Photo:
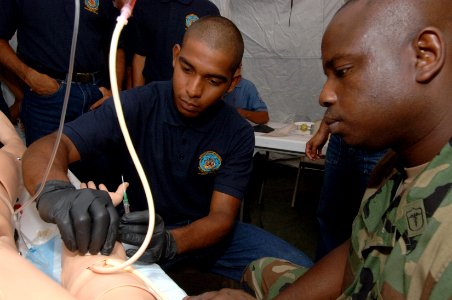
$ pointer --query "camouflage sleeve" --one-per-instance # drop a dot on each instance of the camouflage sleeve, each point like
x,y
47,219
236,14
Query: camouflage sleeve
x,y
268,276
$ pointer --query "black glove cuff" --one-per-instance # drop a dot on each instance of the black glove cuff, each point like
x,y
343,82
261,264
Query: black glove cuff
x,y
171,247
53,185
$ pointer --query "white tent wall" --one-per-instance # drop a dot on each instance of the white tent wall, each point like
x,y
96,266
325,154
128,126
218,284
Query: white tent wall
x,y
282,51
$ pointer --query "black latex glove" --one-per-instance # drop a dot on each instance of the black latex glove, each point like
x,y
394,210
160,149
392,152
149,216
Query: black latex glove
x,y
86,218
132,230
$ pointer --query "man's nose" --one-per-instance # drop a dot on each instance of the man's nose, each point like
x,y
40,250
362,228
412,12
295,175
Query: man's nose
x,y
328,95
194,87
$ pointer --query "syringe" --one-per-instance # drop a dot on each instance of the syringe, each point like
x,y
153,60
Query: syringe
x,y
125,201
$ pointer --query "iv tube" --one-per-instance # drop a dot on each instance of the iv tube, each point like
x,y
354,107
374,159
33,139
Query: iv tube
x,y
64,108
121,22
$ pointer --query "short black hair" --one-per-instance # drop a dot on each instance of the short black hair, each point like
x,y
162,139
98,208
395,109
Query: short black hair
x,y
219,33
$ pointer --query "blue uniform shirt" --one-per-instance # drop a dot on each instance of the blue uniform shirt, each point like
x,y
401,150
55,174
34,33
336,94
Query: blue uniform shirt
x,y
44,32
184,161
245,96
158,26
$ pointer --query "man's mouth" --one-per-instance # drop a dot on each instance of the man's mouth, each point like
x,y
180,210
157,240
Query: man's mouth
x,y
330,120
189,106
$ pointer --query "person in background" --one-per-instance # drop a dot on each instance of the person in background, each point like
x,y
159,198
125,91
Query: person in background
x,y
156,27
44,31
388,86
347,171
248,102
196,151
12,83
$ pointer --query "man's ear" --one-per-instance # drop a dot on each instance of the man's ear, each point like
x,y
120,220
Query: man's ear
x,y
235,79
176,51
430,54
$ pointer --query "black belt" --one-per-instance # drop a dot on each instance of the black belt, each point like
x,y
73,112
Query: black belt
x,y
86,77
76,77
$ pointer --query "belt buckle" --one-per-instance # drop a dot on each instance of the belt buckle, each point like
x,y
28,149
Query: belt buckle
x,y
84,77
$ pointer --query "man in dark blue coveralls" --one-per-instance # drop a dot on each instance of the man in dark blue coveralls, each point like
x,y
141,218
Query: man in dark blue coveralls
x,y
195,149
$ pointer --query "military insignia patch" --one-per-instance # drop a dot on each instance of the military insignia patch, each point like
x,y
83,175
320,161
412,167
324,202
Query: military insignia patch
x,y
190,19
92,6
209,162
415,217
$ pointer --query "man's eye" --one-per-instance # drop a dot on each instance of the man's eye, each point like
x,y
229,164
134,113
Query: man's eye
x,y
214,82
186,69
342,72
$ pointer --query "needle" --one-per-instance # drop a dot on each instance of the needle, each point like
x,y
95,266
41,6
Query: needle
x,y
125,201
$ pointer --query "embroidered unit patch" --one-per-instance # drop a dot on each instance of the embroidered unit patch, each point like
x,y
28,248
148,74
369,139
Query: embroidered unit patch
x,y
209,162
92,6
190,19
415,217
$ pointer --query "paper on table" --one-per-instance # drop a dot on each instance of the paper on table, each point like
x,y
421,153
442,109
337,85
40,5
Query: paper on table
x,y
283,131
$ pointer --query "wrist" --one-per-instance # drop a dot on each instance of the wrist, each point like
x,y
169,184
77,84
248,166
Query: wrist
x,y
27,75
51,186
171,246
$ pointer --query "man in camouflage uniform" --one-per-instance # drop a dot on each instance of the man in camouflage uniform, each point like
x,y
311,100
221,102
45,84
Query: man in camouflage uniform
x,y
388,65
403,224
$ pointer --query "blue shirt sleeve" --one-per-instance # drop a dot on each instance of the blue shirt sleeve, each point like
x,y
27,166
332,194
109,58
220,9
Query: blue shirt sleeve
x,y
246,96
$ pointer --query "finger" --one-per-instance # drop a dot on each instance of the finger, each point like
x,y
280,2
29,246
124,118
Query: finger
x,y
319,153
131,252
136,217
316,152
97,104
123,187
82,225
310,154
117,196
146,257
105,92
83,185
67,232
131,238
100,228
92,185
112,231
135,229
